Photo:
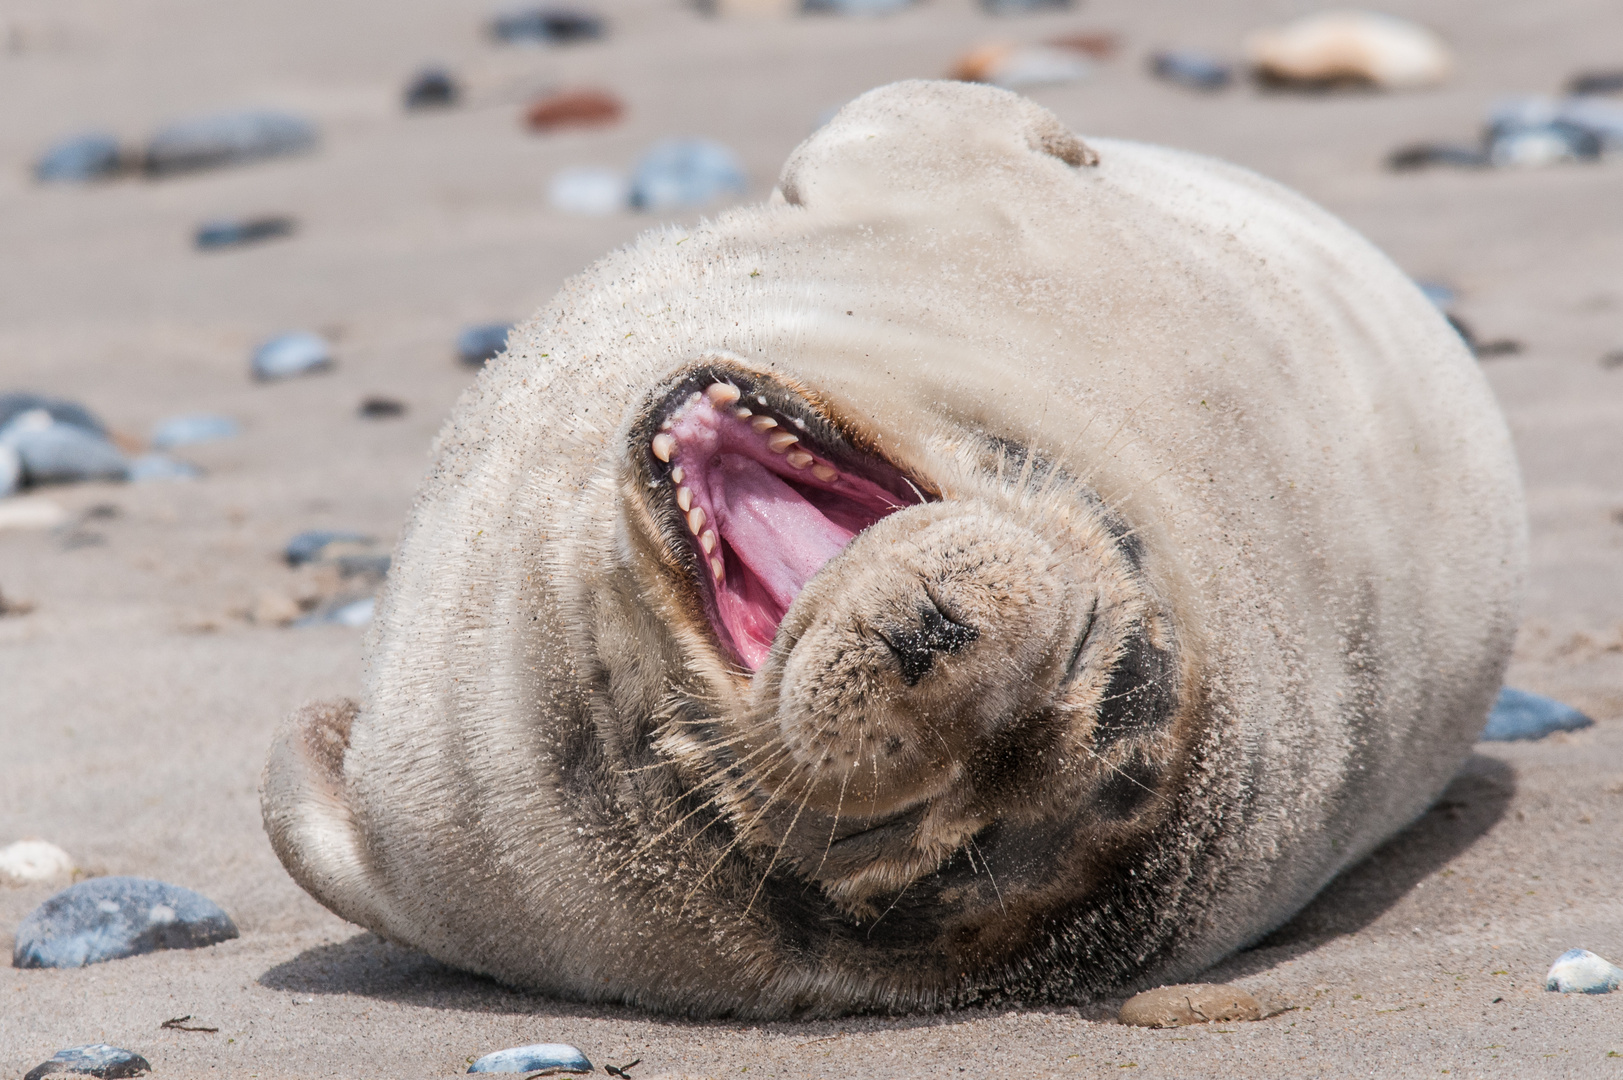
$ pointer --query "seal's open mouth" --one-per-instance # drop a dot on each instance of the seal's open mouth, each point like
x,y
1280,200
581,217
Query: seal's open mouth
x,y
767,488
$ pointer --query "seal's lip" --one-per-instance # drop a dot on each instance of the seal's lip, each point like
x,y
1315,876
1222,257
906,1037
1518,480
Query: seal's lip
x,y
763,484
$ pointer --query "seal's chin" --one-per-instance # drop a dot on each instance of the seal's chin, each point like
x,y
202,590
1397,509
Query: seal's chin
x,y
767,492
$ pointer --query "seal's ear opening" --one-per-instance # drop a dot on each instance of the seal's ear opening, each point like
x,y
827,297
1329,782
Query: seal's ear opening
x,y
886,147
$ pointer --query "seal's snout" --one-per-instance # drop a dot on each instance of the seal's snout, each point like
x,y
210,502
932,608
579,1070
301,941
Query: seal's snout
x,y
916,643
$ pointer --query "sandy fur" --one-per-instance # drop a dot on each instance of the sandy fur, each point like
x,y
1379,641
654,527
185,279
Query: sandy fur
x,y
1323,489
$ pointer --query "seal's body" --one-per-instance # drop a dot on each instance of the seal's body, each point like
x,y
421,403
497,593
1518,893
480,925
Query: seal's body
x,y
998,568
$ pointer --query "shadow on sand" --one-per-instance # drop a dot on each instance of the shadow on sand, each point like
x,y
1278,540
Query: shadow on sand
x,y
1477,798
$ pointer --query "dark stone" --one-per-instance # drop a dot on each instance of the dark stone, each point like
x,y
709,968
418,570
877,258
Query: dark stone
x,y
220,234
92,1059
1596,82
1518,714
549,26
1422,155
227,139
432,88
113,917
381,408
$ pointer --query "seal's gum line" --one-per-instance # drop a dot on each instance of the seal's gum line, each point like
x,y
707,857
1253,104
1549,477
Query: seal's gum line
x,y
764,509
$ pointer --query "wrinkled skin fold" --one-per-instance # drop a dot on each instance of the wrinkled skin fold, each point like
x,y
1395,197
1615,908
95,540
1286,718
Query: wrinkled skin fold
x,y
1002,567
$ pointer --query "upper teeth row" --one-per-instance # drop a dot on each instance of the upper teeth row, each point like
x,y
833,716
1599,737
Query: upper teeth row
x,y
722,394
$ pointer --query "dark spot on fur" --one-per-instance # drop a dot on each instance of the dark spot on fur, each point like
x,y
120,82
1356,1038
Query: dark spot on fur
x,y
1140,694
1126,789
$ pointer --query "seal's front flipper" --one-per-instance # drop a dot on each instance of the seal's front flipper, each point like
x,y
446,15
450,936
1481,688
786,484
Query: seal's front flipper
x,y
308,818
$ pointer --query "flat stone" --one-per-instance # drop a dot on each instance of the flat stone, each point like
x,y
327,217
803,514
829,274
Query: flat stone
x,y
539,1057
1519,714
52,451
1579,971
1189,1003
91,1059
80,159
679,173
287,355
193,428
227,139
477,345
110,918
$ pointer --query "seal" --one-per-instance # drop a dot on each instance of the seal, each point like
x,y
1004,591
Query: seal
x,y
1000,568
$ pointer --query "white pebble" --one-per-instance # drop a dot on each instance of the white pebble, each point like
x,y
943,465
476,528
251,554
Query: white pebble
x,y
29,861
1579,971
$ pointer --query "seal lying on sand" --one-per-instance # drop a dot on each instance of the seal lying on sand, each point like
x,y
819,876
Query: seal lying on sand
x,y
1000,568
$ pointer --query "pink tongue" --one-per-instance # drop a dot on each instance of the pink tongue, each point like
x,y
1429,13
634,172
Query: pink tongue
x,y
780,536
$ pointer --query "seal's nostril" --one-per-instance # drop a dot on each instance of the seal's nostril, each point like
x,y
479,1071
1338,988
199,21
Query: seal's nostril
x,y
915,645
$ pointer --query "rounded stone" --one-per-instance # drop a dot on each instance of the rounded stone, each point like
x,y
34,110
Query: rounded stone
x,y
1189,1003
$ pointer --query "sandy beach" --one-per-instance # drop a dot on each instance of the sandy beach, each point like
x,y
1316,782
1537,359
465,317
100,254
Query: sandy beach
x,y
138,696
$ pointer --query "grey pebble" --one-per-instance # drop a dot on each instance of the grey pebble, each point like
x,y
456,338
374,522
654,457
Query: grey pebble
x,y
193,428
1023,7
477,345
109,918
235,232
17,402
546,26
1194,70
160,468
560,1057
287,355
227,139
52,451
1519,714
11,471
1579,971
80,159
679,173
92,1059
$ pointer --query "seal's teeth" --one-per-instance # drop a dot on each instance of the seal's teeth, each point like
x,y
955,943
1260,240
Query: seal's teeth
x,y
781,441
663,446
763,423
718,569
707,540
693,399
679,474
684,499
721,393
824,473
742,413
696,520
799,458
666,425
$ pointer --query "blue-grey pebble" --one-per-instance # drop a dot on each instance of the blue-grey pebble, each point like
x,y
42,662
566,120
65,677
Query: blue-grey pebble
x,y
1520,714
547,26
560,1057
1579,971
681,172
193,428
54,452
1194,70
109,918
287,355
234,232
92,1059
228,139
150,468
310,545
1023,7
17,402
477,345
79,160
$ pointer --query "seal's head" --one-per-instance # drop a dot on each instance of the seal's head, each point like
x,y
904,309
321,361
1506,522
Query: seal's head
x,y
912,650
